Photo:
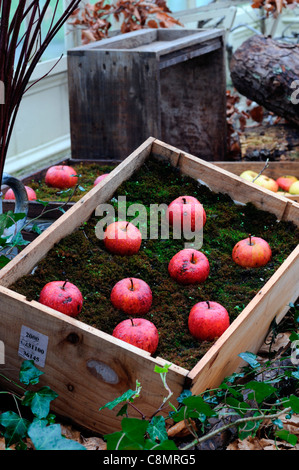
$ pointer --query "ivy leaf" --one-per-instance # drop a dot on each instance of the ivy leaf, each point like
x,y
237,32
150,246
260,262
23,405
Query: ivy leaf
x,y
197,403
50,438
135,429
294,403
250,358
157,429
287,436
124,397
261,390
15,427
3,261
39,401
29,374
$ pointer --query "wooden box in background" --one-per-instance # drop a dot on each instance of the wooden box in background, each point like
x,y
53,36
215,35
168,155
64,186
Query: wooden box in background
x,y
169,84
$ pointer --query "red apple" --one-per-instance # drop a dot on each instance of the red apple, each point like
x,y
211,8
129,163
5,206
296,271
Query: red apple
x,y
61,177
62,296
122,238
207,321
10,195
186,210
100,178
138,332
285,182
252,252
132,296
189,267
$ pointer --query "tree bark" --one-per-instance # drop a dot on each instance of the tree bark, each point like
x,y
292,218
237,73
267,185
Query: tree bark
x,y
267,71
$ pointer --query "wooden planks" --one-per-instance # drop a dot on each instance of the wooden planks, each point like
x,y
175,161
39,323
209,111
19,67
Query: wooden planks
x,y
88,368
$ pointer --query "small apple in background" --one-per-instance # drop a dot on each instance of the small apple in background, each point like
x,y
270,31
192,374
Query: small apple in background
x,y
189,266
285,182
132,296
207,321
138,332
294,189
252,252
186,209
249,175
122,238
62,296
61,177
100,178
267,183
10,195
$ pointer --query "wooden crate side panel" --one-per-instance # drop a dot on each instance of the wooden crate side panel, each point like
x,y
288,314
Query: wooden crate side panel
x,y
25,261
87,368
114,105
249,330
222,181
275,169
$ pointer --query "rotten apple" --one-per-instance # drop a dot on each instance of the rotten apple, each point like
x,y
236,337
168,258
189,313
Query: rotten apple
x,y
285,182
100,178
252,252
122,238
31,194
132,296
207,321
186,211
189,266
138,332
62,296
61,177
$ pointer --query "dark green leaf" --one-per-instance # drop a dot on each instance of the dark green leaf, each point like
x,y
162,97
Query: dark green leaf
x,y
3,261
112,404
294,403
261,390
135,429
15,427
238,405
287,436
157,429
197,403
40,401
29,374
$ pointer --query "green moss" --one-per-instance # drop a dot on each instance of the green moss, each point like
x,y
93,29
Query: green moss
x,y
82,259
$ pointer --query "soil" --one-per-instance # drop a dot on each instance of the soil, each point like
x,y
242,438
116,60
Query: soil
x,y
82,259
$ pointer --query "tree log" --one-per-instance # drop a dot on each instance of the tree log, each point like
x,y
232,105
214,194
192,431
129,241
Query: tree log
x,y
267,71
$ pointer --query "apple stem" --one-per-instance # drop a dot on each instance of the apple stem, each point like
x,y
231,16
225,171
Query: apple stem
x,y
132,285
132,321
63,287
184,200
192,258
250,242
127,225
208,304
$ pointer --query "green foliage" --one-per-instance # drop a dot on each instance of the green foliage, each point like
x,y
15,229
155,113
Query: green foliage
x,y
247,397
41,428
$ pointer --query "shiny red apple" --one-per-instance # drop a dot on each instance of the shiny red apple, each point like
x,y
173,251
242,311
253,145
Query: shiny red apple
x,y
132,296
188,212
31,194
122,238
62,296
61,177
138,332
252,252
208,321
189,266
285,182
100,178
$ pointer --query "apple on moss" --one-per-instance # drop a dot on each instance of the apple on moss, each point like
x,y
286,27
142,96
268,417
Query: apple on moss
x,y
132,296
139,332
61,177
31,194
62,296
252,252
208,320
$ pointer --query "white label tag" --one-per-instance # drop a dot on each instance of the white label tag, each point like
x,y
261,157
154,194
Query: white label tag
x,y
33,346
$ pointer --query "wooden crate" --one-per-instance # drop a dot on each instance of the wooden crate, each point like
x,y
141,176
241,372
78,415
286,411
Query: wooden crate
x,y
166,83
275,170
87,367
